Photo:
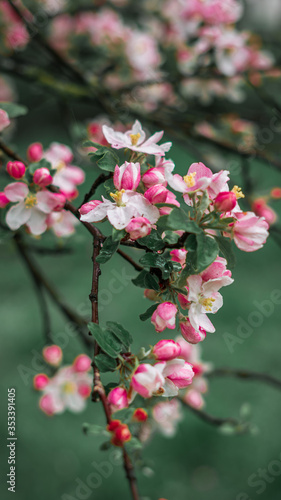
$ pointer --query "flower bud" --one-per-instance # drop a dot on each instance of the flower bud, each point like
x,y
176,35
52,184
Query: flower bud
x,y
47,405
165,350
194,399
164,316
35,152
190,334
225,201
156,194
138,228
127,176
150,294
113,425
82,363
16,169
276,193
179,255
179,372
87,207
40,381
140,415
60,201
52,354
121,435
4,120
42,177
84,390
147,379
3,200
154,176
117,399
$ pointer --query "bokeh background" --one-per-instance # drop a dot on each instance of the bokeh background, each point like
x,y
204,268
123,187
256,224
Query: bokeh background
x,y
199,463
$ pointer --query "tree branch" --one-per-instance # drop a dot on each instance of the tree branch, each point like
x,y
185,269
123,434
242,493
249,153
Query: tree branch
x,y
210,419
101,178
245,375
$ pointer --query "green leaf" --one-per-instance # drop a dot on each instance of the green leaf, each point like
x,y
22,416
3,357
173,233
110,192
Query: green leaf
x,y
109,247
105,158
226,249
93,429
123,335
202,205
134,444
13,110
207,251
148,313
89,144
106,340
178,219
171,237
39,164
117,235
146,280
105,363
153,241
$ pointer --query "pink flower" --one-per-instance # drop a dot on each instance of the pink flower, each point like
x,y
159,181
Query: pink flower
x,y
250,232
157,194
127,205
148,380
154,176
216,270
52,354
30,209
82,363
139,227
205,299
117,399
178,374
4,201
35,152
4,120
42,177
164,316
66,390
62,223
194,398
134,139
179,255
165,350
127,176
225,201
40,381
87,207
190,334
166,415
261,209
16,169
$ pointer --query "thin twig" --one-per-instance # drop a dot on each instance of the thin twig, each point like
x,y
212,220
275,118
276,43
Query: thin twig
x,y
245,375
101,178
10,153
210,419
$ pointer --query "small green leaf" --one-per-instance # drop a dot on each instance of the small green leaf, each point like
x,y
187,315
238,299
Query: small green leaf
x,y
148,313
105,158
117,235
39,164
202,205
207,251
153,241
171,237
178,219
93,429
226,249
109,247
146,280
120,332
106,340
105,363
13,110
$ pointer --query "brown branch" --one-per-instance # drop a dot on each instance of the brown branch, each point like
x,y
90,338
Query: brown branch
x,y
10,153
130,260
245,375
210,419
101,178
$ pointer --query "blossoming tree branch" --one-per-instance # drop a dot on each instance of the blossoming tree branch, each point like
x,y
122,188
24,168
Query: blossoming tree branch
x,y
182,228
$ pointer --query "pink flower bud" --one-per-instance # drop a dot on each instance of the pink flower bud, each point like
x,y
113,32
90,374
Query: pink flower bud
x,y
60,200
225,201
84,390
261,208
47,404
194,399
140,415
154,176
40,381
276,193
138,228
52,354
179,255
3,200
150,294
127,176
179,372
42,177
148,380
87,207
183,300
4,120
165,350
164,316
82,363
16,169
117,399
190,334
156,194
35,152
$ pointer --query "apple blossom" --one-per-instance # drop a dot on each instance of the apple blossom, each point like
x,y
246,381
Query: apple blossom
x,y
40,381
154,176
42,177
165,350
140,415
4,201
121,435
117,399
138,227
225,201
52,354
148,380
82,363
62,223
249,231
166,415
261,209
87,207
134,139
216,270
67,177
4,120
127,176
16,169
190,334
178,374
164,316
35,152
179,255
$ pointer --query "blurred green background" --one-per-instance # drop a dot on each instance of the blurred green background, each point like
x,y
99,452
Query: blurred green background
x,y
199,463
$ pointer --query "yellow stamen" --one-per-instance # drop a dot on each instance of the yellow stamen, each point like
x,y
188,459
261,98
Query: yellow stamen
x,y
69,387
30,201
118,198
207,303
61,166
135,138
189,179
238,192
